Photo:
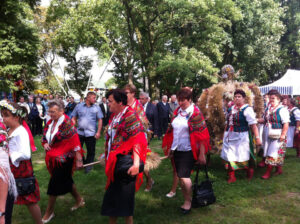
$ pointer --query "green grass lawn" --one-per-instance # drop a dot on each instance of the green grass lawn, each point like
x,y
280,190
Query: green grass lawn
x,y
276,200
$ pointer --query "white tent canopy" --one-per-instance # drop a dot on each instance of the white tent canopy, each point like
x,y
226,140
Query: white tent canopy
x,y
289,84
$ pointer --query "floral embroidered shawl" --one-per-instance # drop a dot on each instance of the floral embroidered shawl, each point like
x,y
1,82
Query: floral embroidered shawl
x,y
129,137
139,109
198,133
63,144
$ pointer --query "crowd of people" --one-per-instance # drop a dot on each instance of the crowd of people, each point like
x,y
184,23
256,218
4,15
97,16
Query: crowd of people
x,y
130,125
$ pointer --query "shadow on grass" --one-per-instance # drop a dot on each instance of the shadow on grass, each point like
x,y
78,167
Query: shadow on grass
x,y
260,201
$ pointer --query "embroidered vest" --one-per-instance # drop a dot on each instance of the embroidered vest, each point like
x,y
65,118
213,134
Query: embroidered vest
x,y
240,123
292,117
275,119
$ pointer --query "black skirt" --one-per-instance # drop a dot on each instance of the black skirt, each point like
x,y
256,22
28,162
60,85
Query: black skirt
x,y
184,163
61,180
119,198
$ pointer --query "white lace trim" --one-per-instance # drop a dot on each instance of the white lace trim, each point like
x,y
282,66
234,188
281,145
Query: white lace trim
x,y
6,174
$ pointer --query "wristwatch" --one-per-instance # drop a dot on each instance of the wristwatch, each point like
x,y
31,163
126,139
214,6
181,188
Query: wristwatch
x,y
2,214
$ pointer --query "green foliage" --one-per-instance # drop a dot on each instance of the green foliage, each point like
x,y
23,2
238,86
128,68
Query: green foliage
x,y
149,36
111,83
188,68
290,41
144,32
19,45
50,83
73,28
255,40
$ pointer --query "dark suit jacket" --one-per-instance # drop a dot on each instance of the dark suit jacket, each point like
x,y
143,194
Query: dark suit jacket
x,y
106,114
163,111
152,116
34,112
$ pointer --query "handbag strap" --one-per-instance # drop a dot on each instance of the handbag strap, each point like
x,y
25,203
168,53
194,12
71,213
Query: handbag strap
x,y
197,174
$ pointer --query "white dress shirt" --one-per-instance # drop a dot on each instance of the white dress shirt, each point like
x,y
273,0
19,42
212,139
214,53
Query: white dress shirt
x,y
49,135
105,107
181,135
145,106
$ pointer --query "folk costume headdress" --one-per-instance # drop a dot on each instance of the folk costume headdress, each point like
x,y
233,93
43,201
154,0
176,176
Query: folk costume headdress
x,y
8,106
22,114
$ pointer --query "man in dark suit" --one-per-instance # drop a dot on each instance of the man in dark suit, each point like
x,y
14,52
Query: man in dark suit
x,y
33,115
151,112
105,111
163,109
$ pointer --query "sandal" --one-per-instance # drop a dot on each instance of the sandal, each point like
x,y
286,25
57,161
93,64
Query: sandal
x,y
81,204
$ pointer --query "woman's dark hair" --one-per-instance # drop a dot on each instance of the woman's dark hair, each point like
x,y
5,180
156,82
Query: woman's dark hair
x,y
275,93
292,101
184,94
119,95
241,92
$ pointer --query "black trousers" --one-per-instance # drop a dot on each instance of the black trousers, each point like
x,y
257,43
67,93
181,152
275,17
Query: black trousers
x,y
9,208
39,126
33,126
90,143
163,126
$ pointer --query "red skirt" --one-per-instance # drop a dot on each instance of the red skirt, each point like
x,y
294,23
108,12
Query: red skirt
x,y
24,170
297,141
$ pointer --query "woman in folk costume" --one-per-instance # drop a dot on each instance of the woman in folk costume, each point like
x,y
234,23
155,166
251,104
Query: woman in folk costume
x,y
125,152
236,149
63,155
20,145
276,120
293,131
131,90
8,190
261,130
187,140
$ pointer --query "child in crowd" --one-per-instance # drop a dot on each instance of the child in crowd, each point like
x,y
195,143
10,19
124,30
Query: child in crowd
x,y
20,157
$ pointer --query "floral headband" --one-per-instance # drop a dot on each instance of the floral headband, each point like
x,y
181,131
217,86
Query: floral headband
x,y
6,105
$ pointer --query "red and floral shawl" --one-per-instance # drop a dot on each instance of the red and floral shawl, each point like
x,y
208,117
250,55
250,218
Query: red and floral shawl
x,y
129,137
3,137
198,133
63,144
139,109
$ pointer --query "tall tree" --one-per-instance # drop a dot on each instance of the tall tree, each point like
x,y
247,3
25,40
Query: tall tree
x,y
255,46
290,41
19,43
75,29
144,32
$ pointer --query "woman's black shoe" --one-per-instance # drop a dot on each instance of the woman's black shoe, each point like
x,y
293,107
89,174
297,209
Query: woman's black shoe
x,y
185,211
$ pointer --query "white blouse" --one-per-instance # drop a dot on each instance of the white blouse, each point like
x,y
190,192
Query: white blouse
x,y
40,109
296,113
19,146
50,136
181,135
284,113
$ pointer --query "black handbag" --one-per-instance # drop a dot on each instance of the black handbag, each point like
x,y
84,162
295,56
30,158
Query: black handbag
x,y
124,162
203,194
25,186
